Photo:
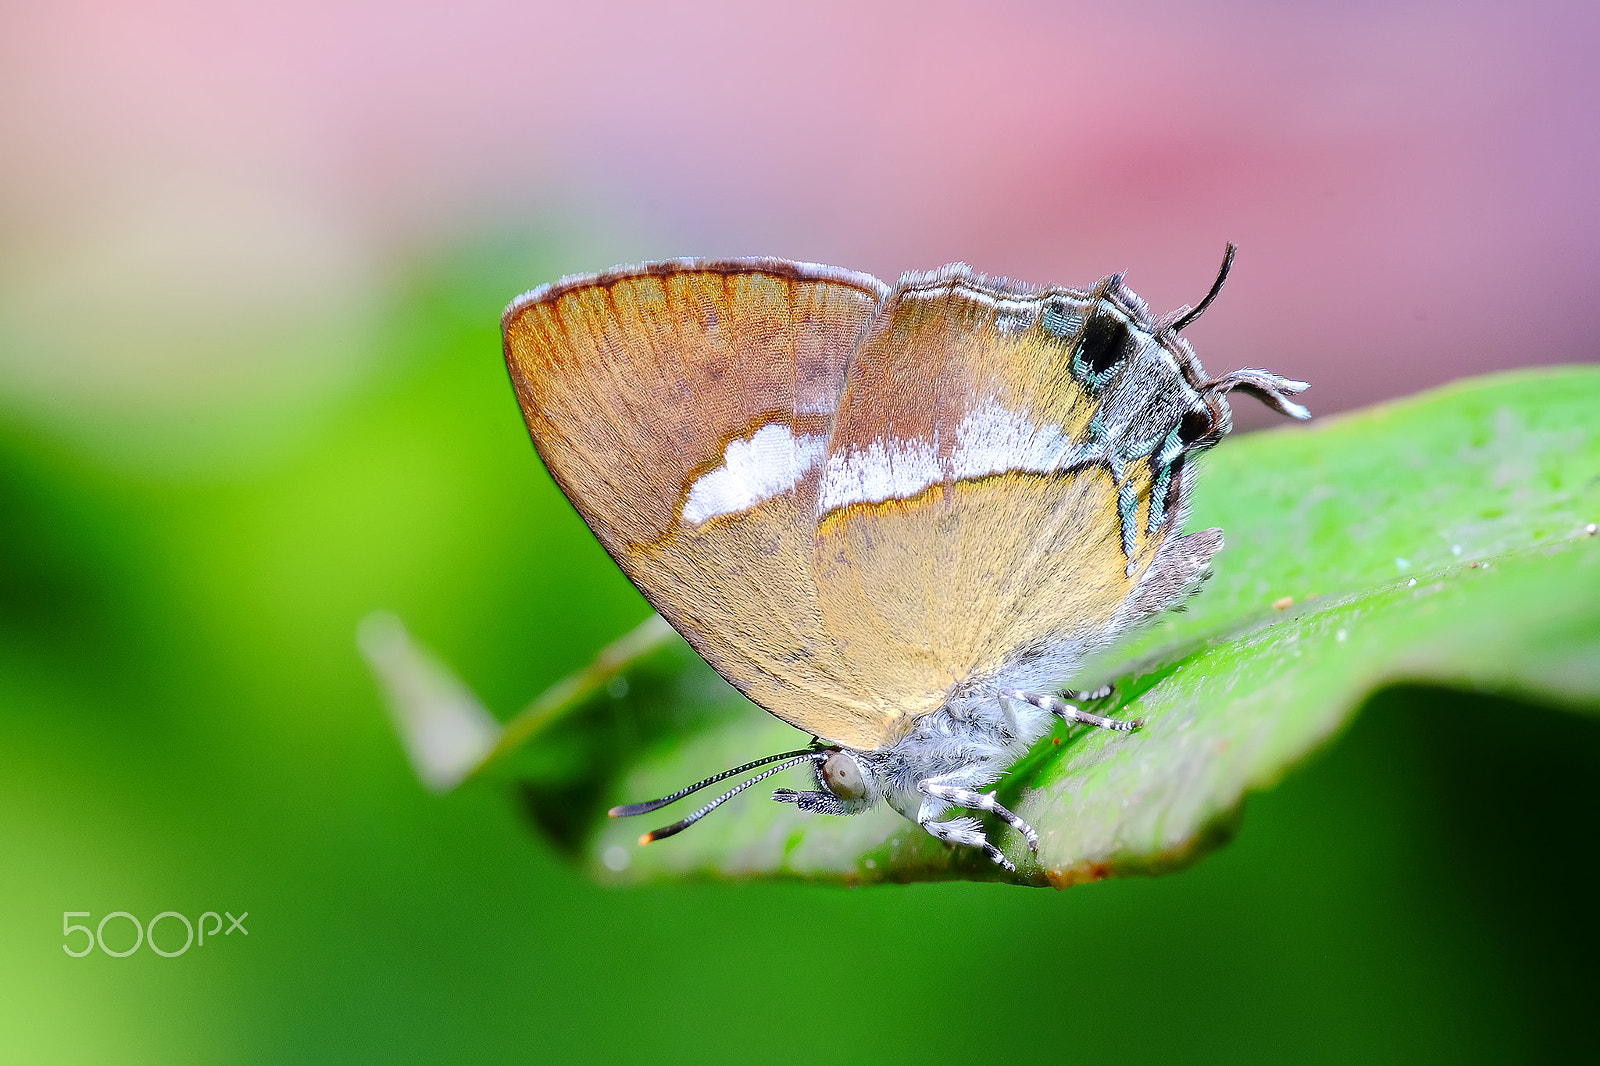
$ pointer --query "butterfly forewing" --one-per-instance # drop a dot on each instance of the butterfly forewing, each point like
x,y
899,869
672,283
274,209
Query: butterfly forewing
x,y
684,409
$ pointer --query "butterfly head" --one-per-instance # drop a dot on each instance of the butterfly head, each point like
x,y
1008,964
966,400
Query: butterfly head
x,y
1269,388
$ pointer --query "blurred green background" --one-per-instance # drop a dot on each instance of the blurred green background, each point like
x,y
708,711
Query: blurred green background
x,y
188,727
251,391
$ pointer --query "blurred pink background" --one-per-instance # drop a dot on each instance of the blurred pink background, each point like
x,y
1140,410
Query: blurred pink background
x,y
204,204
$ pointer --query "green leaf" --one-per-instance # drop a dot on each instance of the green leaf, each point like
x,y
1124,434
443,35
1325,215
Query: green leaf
x,y
1445,539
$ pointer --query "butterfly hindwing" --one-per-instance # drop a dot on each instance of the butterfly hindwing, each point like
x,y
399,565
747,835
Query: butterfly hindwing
x,y
986,502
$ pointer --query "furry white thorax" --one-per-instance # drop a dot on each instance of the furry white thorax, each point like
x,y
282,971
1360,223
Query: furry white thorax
x,y
969,743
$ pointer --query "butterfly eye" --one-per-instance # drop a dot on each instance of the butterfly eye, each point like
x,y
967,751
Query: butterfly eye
x,y
1194,426
843,777
1105,344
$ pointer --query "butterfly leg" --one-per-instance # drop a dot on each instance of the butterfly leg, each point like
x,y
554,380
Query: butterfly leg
x,y
1085,695
1068,713
815,802
967,831
980,801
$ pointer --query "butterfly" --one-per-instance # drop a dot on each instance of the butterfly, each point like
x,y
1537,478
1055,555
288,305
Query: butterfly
x,y
897,518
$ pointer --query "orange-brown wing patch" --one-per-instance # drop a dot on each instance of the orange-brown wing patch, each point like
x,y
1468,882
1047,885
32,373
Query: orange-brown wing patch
x,y
684,409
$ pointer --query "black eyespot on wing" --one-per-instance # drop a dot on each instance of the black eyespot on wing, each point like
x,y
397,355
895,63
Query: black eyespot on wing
x,y
1105,344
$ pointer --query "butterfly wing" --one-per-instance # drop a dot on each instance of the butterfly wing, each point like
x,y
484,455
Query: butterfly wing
x,y
684,408
1004,471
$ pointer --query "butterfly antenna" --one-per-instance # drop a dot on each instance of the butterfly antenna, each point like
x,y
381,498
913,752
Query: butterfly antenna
x,y
628,810
1270,389
1216,287
680,826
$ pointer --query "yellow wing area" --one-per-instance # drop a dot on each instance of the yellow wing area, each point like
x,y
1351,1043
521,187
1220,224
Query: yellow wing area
x,y
1015,545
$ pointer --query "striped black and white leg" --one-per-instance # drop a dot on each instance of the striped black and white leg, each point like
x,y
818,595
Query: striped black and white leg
x,y
1089,694
981,801
968,832
1069,713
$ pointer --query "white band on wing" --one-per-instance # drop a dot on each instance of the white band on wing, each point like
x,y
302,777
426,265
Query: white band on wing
x,y
769,464
990,440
